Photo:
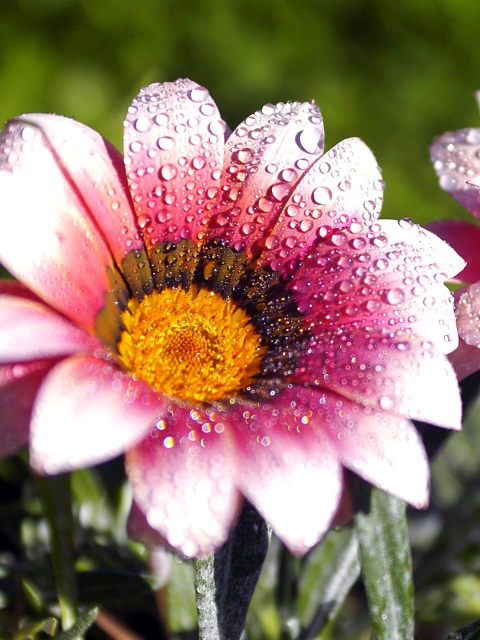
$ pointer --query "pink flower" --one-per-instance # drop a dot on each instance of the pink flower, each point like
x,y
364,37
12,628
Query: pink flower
x,y
456,159
229,313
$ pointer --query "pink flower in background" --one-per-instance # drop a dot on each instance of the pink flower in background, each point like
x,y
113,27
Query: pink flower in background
x,y
228,312
456,159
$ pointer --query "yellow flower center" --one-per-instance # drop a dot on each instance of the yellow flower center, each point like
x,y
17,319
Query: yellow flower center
x,y
192,345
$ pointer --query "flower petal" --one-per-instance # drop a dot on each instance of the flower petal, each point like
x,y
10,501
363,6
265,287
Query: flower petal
x,y
47,239
343,188
465,359
456,159
88,411
390,275
386,450
286,470
97,170
31,331
182,479
383,449
19,384
398,374
173,145
266,156
464,237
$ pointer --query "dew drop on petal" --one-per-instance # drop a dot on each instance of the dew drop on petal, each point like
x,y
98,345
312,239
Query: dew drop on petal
x,y
143,124
321,195
168,172
395,296
311,140
166,143
199,94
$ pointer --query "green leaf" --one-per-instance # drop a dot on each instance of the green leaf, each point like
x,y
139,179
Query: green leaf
x,y
381,528
181,611
83,623
48,626
56,497
470,632
332,569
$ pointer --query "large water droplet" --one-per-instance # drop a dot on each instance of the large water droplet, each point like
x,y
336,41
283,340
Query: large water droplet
x,y
321,195
168,172
143,124
311,140
199,94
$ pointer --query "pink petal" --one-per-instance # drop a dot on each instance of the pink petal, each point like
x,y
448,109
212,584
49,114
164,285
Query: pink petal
x,y
383,449
397,374
17,289
97,170
468,313
464,237
266,157
289,472
47,239
19,384
465,359
88,411
173,145
341,189
138,528
31,331
390,275
182,479
456,159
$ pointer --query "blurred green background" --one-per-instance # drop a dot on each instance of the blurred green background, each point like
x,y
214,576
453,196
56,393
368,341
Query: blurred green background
x,y
393,73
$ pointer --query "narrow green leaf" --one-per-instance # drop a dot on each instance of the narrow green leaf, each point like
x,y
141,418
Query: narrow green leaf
x,y
48,626
470,632
332,569
381,528
181,612
83,623
33,595
56,497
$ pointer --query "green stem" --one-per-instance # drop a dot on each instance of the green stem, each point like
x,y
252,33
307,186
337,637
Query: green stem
x,y
56,497
205,593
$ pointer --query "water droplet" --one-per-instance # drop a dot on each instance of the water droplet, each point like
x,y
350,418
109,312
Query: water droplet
x,y
395,296
199,162
247,229
168,172
199,94
288,175
245,155
161,119
264,204
448,181
311,140
166,143
207,109
280,191
143,124
321,195
306,225
271,242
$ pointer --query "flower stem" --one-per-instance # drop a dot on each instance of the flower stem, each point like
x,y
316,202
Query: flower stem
x,y
56,498
205,598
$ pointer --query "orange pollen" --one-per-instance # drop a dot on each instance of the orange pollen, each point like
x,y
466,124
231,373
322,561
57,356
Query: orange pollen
x,y
192,345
